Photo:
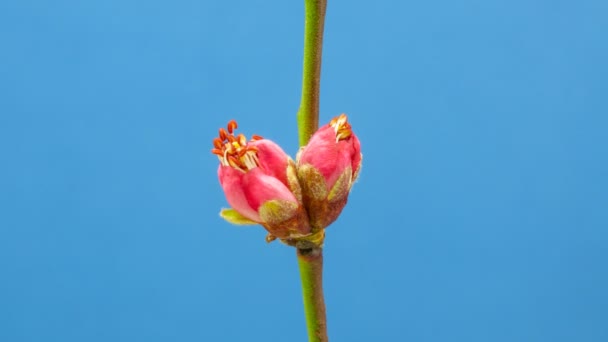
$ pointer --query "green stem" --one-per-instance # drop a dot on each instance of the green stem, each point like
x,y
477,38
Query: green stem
x,y
310,262
308,113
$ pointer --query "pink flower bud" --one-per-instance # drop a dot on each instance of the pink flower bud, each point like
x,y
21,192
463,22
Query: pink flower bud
x,y
260,183
327,168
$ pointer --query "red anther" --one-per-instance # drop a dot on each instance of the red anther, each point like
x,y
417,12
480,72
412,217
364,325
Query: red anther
x,y
217,143
241,152
223,134
217,151
235,163
232,125
256,137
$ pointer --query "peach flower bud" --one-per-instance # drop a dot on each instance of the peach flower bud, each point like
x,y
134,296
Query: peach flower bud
x,y
327,168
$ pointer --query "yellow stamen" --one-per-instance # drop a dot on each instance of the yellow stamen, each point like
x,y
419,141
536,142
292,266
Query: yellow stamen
x,y
341,127
233,150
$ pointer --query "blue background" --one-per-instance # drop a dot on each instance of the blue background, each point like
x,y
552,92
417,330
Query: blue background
x,y
480,214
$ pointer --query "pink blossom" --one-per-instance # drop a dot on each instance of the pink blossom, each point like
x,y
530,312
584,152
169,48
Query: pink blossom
x,y
332,149
260,183
327,168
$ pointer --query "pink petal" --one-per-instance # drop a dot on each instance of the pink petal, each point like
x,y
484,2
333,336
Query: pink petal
x,y
232,183
260,188
272,159
356,152
329,157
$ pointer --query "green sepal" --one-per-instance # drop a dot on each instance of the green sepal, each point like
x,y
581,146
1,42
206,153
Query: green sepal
x,y
277,211
342,186
313,183
235,217
292,180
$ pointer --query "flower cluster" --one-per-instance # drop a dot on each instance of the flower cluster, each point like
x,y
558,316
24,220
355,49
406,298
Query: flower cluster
x,y
294,201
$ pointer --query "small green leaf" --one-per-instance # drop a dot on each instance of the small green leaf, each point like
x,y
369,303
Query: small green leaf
x,y
235,217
